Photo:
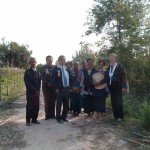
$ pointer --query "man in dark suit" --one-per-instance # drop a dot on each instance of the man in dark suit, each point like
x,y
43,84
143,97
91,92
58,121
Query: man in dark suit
x,y
32,81
48,91
60,83
117,83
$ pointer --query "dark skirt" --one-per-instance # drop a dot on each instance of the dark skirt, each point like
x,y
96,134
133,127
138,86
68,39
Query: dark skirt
x,y
99,100
88,104
99,104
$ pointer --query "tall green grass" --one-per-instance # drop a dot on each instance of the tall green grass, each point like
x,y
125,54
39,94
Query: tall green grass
x,y
131,106
145,114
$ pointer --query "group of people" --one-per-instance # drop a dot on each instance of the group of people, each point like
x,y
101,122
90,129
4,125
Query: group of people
x,y
68,87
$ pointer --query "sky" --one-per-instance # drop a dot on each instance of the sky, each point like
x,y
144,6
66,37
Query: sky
x,y
49,27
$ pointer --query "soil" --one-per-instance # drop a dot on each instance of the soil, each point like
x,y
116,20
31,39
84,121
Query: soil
x,y
80,133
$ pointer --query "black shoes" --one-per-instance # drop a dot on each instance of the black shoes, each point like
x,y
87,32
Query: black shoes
x,y
75,114
35,122
47,118
53,117
65,120
28,124
60,121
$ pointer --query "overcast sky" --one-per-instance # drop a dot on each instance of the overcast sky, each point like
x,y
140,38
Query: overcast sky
x,y
49,27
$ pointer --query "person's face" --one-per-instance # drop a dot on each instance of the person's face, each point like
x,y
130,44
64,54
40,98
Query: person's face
x,y
89,64
49,61
62,61
33,63
75,66
84,64
101,65
112,59
68,65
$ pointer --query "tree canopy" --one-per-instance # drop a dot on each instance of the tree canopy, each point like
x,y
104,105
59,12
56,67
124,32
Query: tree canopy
x,y
125,24
13,54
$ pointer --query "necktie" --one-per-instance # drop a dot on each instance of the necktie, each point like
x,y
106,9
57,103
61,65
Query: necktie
x,y
64,76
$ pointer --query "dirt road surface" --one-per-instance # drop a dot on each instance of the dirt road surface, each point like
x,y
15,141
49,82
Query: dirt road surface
x,y
80,133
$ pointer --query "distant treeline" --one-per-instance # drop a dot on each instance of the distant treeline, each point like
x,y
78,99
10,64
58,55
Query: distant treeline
x,y
14,55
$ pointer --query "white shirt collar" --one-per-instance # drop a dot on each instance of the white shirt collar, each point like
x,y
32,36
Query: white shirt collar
x,y
60,66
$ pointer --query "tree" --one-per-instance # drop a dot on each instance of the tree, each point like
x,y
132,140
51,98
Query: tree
x,y
126,26
39,66
85,52
13,54
120,20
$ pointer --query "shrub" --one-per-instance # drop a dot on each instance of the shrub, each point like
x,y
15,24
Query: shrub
x,y
145,114
131,106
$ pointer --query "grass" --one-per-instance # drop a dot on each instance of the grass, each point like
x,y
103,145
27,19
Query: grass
x,y
131,106
145,114
5,103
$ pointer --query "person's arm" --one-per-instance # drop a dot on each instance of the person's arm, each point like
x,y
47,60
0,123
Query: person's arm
x,y
123,79
39,85
42,71
28,83
37,92
54,79
106,77
82,81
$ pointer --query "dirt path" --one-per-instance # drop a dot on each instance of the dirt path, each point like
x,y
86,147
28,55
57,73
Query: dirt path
x,y
79,133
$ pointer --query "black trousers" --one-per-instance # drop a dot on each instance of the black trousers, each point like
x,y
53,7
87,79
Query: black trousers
x,y
88,104
32,107
62,98
117,101
76,102
49,101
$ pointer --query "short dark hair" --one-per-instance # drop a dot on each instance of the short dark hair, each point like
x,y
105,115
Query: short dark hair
x,y
102,62
61,56
32,58
49,56
69,62
89,59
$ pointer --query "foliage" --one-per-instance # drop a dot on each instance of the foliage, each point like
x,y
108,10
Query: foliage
x,y
38,67
145,114
125,24
11,82
14,55
86,52
131,106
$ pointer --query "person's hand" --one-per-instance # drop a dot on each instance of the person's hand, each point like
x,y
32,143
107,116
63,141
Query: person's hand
x,y
49,85
96,83
37,93
57,91
124,91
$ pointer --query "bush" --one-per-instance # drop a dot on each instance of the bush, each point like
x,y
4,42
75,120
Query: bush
x,y
108,101
131,106
145,114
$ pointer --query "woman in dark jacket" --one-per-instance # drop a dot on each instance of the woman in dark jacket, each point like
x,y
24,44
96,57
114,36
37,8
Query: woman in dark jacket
x,y
75,89
99,91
